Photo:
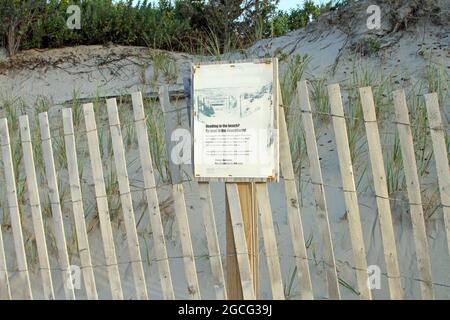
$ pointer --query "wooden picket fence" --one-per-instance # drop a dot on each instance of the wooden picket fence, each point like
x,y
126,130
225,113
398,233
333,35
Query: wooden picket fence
x,y
206,205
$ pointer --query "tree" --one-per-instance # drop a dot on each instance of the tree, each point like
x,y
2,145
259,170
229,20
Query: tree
x,y
228,21
16,18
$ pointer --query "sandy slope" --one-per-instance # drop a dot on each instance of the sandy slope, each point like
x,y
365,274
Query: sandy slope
x,y
330,43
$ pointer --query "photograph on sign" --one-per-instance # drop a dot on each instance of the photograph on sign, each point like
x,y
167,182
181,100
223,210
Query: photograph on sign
x,y
235,121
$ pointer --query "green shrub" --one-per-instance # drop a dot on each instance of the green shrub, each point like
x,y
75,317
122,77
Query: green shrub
x,y
16,19
180,25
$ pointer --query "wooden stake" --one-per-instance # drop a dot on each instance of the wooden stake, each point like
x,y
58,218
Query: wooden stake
x,y
5,290
16,223
175,172
293,210
319,191
240,242
125,198
152,197
441,157
349,188
53,194
102,202
77,206
178,196
247,199
381,192
270,241
415,199
186,242
35,204
212,240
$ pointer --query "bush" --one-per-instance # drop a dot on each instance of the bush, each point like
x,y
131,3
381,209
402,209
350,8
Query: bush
x,y
181,25
16,19
103,21
283,22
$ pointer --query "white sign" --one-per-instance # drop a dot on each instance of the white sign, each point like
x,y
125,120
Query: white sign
x,y
235,121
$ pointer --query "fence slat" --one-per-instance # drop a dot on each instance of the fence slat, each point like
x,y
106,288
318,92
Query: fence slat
x,y
125,198
270,241
319,191
293,211
350,196
77,206
248,291
175,172
14,213
186,241
102,202
415,199
152,197
178,196
5,290
35,206
212,240
381,193
441,156
53,194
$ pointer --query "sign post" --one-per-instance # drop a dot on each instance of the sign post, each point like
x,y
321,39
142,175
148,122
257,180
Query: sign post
x,y
235,135
250,217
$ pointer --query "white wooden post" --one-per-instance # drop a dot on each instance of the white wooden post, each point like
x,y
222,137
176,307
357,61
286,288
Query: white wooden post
x,y
5,290
381,193
240,241
14,213
125,198
349,188
319,191
53,194
293,209
35,205
441,156
77,206
102,202
152,197
175,172
186,242
178,196
270,241
212,240
415,199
